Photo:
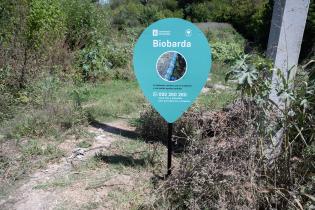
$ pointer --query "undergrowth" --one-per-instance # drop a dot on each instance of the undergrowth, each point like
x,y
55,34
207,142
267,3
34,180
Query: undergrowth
x,y
243,162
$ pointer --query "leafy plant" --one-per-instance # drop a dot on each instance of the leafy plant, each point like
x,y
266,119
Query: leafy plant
x,y
227,45
251,80
93,62
81,22
45,22
226,52
100,60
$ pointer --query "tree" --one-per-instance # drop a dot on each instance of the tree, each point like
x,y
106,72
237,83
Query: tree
x,y
29,27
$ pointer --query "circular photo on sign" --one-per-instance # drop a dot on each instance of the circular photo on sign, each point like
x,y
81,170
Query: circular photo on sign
x,y
171,66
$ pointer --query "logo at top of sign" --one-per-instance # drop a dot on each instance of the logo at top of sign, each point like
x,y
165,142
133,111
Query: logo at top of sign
x,y
188,32
156,32
172,60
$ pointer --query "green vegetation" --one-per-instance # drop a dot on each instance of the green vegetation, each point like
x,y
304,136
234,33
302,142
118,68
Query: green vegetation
x,y
84,144
67,64
229,160
122,169
110,100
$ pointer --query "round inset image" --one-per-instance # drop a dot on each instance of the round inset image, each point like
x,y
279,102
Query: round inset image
x,y
171,66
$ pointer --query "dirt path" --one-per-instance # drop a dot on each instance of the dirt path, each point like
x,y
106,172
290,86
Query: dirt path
x,y
74,184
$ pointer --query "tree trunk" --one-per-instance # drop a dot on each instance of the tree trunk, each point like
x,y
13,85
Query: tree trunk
x,y
22,79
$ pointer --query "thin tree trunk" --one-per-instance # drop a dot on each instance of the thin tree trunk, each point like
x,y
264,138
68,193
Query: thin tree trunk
x,y
23,71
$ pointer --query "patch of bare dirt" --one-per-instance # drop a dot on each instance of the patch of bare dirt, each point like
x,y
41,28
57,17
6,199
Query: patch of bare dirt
x,y
79,194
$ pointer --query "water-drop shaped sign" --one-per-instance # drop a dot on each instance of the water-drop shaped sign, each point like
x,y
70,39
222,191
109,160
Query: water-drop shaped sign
x,y
172,61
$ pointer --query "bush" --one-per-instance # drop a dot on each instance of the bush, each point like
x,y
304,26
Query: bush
x,y
47,110
307,50
104,61
296,120
153,127
216,171
253,75
7,98
45,23
196,121
226,52
229,167
93,62
213,177
30,32
133,13
127,15
81,22
209,11
251,17
227,45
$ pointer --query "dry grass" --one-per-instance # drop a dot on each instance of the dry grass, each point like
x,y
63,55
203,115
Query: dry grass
x,y
217,169
223,167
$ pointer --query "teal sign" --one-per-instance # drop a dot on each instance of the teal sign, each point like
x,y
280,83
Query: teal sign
x,y
172,61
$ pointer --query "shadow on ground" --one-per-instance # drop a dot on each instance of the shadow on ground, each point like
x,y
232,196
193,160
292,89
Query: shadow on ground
x,y
114,130
120,159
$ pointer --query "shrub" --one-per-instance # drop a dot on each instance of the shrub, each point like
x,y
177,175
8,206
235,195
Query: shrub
x,y
127,15
47,111
226,52
217,171
100,61
81,21
93,62
227,45
133,13
227,168
213,177
206,10
308,51
196,121
250,17
7,98
253,76
45,23
30,32
153,127
296,118
200,12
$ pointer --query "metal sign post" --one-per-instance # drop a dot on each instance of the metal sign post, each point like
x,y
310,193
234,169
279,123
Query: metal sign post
x,y
169,148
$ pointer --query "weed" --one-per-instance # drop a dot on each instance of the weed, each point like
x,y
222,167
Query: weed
x,y
215,171
84,144
215,100
123,199
90,206
33,148
51,112
111,100
61,182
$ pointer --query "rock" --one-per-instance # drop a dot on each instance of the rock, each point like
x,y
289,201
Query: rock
x,y
78,153
100,138
220,87
205,90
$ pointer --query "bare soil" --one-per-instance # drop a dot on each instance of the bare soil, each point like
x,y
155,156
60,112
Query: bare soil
x,y
61,186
